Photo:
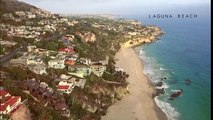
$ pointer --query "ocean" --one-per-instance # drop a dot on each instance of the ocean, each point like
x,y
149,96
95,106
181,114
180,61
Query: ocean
x,y
183,52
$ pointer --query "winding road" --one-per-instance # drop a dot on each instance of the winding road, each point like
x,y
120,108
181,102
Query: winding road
x,y
4,59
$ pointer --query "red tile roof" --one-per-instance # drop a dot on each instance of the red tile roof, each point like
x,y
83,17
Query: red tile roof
x,y
5,99
66,49
13,100
2,107
63,87
10,102
70,62
3,92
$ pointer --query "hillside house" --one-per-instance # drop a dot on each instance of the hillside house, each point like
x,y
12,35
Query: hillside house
x,y
79,70
39,69
66,50
85,61
8,103
31,48
98,69
32,59
65,87
56,64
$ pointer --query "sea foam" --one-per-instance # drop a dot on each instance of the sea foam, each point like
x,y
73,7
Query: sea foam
x,y
155,72
170,111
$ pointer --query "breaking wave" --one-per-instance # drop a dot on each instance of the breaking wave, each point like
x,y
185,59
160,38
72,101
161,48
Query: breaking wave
x,y
156,72
170,111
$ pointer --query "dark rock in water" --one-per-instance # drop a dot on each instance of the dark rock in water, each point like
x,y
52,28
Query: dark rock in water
x,y
187,81
159,84
176,94
164,78
159,91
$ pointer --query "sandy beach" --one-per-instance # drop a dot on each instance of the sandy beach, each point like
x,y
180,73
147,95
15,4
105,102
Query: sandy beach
x,y
138,104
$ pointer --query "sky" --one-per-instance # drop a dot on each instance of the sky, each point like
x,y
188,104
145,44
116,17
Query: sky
x,y
120,7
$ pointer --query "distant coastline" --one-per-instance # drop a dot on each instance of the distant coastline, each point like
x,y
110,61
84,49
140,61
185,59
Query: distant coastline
x,y
109,16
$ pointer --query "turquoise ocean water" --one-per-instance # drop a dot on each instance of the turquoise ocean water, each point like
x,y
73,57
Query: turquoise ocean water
x,y
182,53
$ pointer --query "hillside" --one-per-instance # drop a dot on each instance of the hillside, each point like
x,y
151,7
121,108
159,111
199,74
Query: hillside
x,y
14,5
80,48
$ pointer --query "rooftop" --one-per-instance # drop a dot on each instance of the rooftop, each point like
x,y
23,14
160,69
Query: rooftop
x,y
63,87
3,92
9,102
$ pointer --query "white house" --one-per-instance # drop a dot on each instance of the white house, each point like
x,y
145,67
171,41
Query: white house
x,y
79,70
31,48
34,60
56,64
39,69
31,16
85,61
98,69
65,87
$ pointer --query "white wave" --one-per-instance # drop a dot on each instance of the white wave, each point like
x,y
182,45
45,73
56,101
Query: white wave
x,y
170,111
175,90
163,86
155,71
162,69
151,68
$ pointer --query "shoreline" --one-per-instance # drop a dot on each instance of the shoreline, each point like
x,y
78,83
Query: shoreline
x,y
139,104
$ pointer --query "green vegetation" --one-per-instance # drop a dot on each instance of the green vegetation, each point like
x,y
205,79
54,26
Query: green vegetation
x,y
77,110
23,40
91,79
5,117
46,59
18,73
100,92
1,49
49,45
40,112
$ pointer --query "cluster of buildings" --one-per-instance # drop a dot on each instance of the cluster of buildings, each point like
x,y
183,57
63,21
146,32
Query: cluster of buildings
x,y
23,31
129,28
26,15
8,103
39,60
64,58
34,24
7,43
67,83
43,92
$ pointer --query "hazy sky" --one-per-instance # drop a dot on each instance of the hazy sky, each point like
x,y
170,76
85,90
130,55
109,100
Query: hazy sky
x,y
118,6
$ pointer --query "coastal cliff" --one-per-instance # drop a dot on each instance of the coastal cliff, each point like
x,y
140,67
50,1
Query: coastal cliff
x,y
149,37
57,46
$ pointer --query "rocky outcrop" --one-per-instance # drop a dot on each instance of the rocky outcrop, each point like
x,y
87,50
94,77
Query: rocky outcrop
x,y
97,97
89,108
115,91
141,39
159,91
120,92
